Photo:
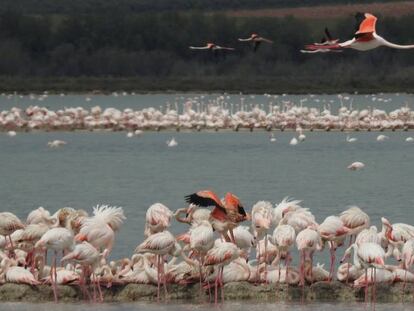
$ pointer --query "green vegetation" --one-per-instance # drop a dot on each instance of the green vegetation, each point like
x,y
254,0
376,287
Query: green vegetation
x,y
140,6
113,50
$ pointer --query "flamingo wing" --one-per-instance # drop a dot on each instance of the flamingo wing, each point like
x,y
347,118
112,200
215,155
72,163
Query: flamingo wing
x,y
367,25
328,34
204,198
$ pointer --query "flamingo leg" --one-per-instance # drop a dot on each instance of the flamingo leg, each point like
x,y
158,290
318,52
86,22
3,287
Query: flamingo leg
x,y
11,252
54,277
216,285
100,290
164,278
366,285
201,273
94,287
221,284
232,236
158,278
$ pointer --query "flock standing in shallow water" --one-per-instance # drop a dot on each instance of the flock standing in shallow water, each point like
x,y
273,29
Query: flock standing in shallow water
x,y
214,250
218,114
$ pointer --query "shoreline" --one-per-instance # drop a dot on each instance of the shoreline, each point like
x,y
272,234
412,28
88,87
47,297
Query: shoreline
x,y
317,292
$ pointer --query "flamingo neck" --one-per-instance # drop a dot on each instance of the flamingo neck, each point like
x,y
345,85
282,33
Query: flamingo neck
x,y
393,45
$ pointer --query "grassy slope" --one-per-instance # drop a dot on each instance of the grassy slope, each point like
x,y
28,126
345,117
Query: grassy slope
x,y
395,8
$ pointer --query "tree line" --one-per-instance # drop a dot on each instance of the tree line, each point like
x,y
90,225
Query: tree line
x,y
153,48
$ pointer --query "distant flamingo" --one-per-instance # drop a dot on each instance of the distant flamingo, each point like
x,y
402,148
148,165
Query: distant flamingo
x,y
351,139
356,166
365,38
212,47
256,40
157,218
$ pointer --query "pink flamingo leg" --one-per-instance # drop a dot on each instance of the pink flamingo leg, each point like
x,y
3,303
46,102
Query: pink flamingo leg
x,y
366,285
216,285
221,284
53,277
164,278
158,278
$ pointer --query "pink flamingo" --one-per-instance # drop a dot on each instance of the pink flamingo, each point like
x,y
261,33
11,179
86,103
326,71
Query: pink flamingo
x,y
57,239
161,244
256,40
219,256
366,38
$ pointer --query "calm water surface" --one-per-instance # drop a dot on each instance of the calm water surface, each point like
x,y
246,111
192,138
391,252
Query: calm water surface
x,y
136,172
140,101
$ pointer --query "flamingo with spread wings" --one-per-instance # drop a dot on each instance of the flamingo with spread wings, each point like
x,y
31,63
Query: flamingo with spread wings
x,y
256,41
225,215
365,38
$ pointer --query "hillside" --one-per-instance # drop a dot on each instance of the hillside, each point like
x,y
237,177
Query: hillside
x,y
392,9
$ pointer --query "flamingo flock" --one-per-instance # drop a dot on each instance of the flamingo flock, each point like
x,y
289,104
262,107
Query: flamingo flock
x,y
216,247
218,114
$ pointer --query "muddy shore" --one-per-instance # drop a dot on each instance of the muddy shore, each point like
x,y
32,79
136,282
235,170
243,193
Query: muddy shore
x,y
320,291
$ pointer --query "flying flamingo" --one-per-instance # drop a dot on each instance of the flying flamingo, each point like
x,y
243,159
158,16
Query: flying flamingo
x,y
212,47
219,256
57,239
256,40
365,38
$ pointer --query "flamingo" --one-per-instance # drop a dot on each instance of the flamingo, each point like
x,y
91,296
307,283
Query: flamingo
x,y
57,239
256,40
307,241
157,218
99,230
15,274
367,255
220,256
356,166
351,139
212,47
56,143
355,220
283,238
333,231
172,142
224,217
202,240
293,141
11,133
366,38
261,221
160,244
87,256
409,139
382,137
9,223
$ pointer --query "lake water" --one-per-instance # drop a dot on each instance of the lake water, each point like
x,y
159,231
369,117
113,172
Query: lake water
x,y
109,168
140,101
